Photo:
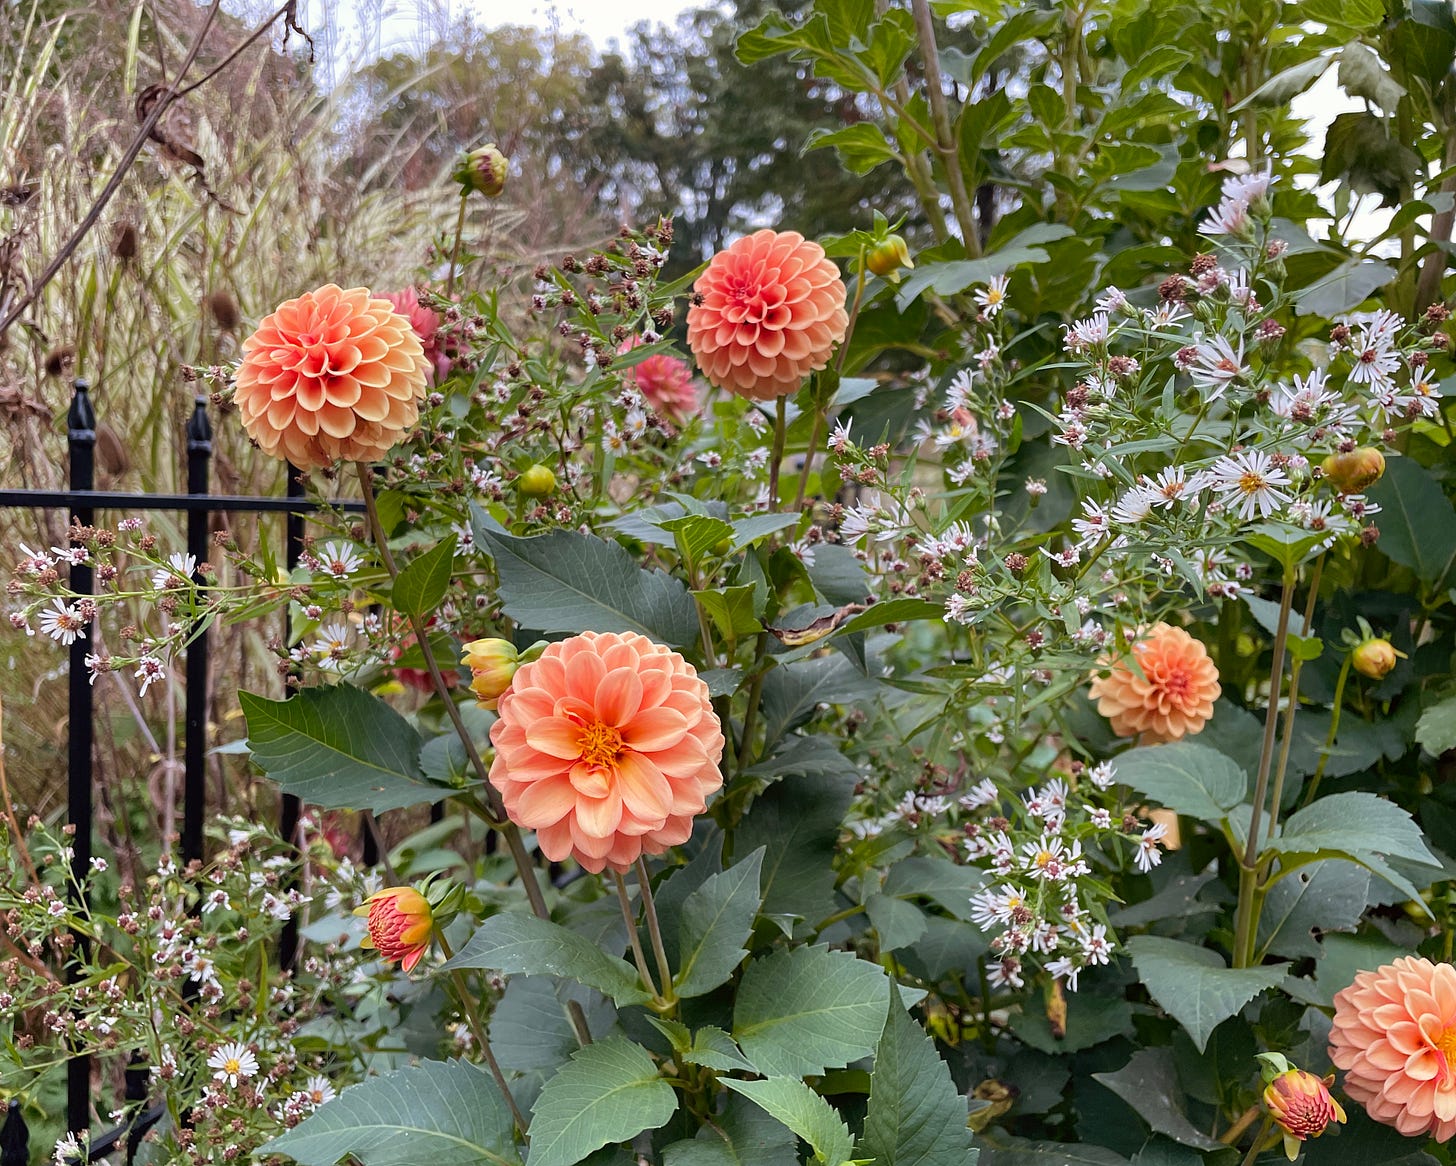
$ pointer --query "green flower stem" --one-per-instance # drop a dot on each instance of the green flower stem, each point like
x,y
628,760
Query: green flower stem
x,y
1246,919
495,815
1288,736
755,691
945,144
1260,1142
654,932
1338,707
781,429
467,1004
631,917
455,247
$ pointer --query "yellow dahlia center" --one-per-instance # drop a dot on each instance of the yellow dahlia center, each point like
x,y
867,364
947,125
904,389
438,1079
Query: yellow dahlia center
x,y
600,744
1446,1046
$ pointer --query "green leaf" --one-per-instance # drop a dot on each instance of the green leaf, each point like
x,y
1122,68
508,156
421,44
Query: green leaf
x,y
1343,289
1362,827
338,746
732,609
1324,896
569,582
515,943
609,1092
1191,779
1149,1083
947,883
742,1135
756,526
714,1049
1193,985
1362,74
896,922
716,921
894,611
530,1027
955,276
1417,522
1286,85
423,581
1005,1151
861,146
797,823
792,692
1436,729
446,1113
803,1111
916,1115
803,1010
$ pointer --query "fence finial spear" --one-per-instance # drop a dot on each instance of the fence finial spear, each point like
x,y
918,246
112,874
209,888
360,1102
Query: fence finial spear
x,y
81,419
199,426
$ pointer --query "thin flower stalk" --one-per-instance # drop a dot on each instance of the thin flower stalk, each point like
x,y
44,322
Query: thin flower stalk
x,y
1294,669
630,916
654,932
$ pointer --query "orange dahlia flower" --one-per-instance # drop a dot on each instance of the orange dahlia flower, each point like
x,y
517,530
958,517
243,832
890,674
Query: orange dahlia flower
x,y
1301,1106
331,376
1394,1035
665,382
770,311
606,746
400,925
1167,694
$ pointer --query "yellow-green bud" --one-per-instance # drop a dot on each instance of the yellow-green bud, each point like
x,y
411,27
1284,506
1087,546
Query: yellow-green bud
x,y
1351,473
888,256
483,170
536,481
1375,657
492,665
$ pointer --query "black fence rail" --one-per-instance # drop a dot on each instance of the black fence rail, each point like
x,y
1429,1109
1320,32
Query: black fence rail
x,y
82,501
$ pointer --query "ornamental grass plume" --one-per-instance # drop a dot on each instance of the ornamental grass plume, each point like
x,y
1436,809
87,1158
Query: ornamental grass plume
x,y
331,376
1166,692
767,312
606,746
665,382
400,925
1394,1035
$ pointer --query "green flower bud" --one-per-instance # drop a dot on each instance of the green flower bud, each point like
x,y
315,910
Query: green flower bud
x,y
483,170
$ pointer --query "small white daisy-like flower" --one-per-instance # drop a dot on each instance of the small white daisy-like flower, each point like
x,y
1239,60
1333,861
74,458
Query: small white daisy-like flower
x,y
233,1062
33,562
149,671
216,900
1096,946
63,622
319,1091
1148,854
177,573
1102,775
71,556
839,439
332,645
1230,217
1250,478
1062,968
992,298
1216,365
983,793
338,560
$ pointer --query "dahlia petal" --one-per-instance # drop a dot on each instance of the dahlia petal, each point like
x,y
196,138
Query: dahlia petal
x,y
644,789
556,738
654,729
544,802
618,696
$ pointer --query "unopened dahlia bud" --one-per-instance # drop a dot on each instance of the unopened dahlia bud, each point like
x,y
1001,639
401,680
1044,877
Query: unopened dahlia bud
x,y
492,664
1353,472
537,482
888,256
1301,1106
400,925
1375,657
483,170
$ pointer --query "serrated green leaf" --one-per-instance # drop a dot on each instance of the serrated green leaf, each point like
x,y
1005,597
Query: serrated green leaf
x,y
714,1049
732,609
446,1113
564,581
791,692
1436,728
897,923
803,1010
861,146
1149,1083
423,581
742,1135
515,943
530,1027
696,535
916,1115
1286,85
338,746
797,822
1417,521
1193,985
609,1092
1324,896
1191,779
806,1113
894,611
716,921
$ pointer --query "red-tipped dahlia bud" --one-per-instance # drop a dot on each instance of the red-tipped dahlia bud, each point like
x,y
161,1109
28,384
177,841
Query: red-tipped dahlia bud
x,y
887,257
483,170
400,925
492,663
1375,657
1301,1106
1351,473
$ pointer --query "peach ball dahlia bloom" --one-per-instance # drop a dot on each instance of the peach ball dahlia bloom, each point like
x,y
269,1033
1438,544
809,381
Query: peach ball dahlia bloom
x,y
769,310
1394,1035
331,376
1169,695
606,746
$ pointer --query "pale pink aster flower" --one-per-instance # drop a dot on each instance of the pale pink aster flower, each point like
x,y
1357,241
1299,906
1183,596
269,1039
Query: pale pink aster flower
x,y
1216,365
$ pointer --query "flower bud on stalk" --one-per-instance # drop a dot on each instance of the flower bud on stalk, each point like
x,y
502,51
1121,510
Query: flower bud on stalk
x,y
1351,473
401,924
492,664
888,256
1301,1106
1375,657
483,171
537,481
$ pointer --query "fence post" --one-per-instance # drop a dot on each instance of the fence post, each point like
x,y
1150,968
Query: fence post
x,y
14,1138
194,799
290,806
81,437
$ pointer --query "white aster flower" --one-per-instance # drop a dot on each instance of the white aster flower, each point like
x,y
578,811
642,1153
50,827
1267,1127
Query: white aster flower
x,y
63,622
233,1062
177,573
1148,855
992,298
339,560
1250,478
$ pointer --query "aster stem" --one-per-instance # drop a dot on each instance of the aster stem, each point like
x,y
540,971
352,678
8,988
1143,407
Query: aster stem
x,y
1294,668
1247,915
455,247
631,917
467,1004
654,932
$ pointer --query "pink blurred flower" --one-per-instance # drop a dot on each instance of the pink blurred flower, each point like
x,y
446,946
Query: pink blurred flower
x,y
665,381
426,323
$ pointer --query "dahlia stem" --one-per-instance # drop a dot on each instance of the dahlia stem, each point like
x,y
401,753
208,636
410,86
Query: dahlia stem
x,y
631,917
467,1004
1339,705
781,429
455,247
654,932
1260,1143
495,816
1294,668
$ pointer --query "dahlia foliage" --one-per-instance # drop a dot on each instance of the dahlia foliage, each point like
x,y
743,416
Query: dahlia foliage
x,y
978,683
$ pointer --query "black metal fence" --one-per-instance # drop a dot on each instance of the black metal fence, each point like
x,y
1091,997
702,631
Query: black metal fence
x,y
82,501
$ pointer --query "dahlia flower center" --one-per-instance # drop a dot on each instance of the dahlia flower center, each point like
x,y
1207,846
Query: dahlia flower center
x,y
1446,1046
600,744
1176,683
